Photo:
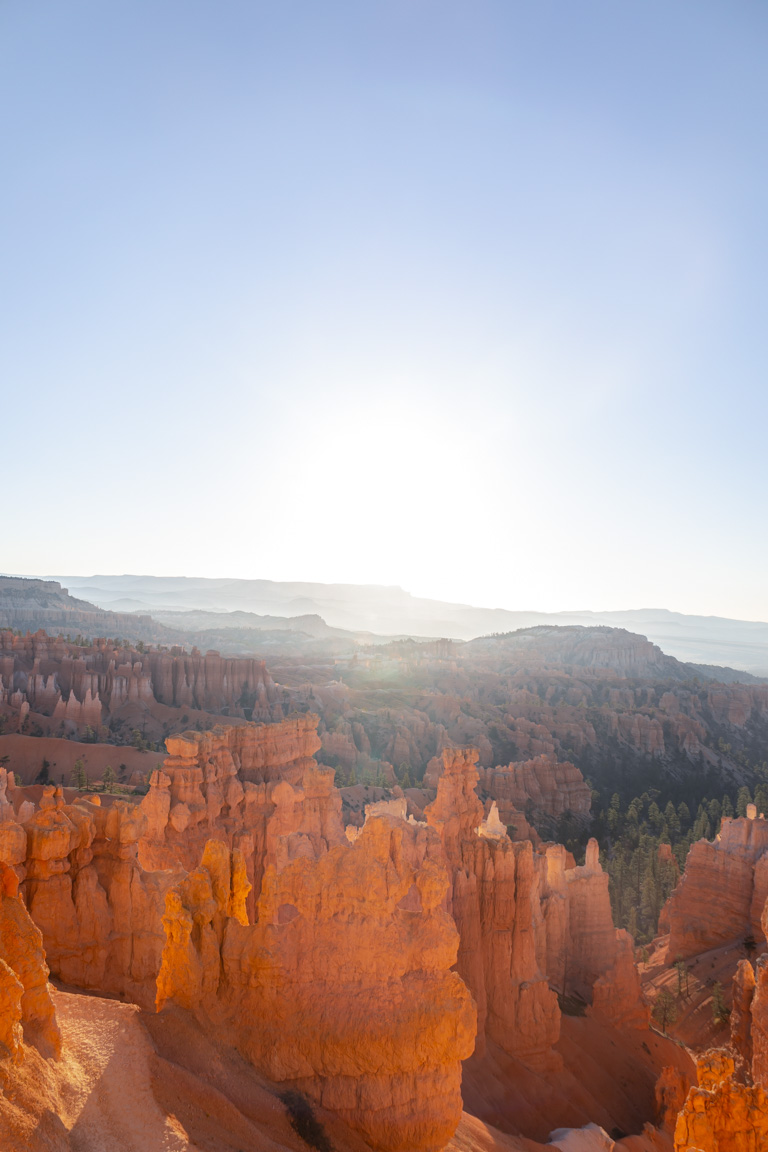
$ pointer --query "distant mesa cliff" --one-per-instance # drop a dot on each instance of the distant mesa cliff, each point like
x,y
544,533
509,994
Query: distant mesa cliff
x,y
31,605
706,640
612,649
28,605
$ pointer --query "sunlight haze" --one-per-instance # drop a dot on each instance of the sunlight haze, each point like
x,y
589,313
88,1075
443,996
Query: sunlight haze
x,y
466,298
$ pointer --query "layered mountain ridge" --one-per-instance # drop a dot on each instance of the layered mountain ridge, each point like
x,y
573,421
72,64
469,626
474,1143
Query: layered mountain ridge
x,y
392,611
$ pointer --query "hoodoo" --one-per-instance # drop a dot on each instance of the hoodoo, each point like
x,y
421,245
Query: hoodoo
x,y
723,890
355,968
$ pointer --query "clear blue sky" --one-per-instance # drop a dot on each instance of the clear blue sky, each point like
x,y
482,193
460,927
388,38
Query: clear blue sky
x,y
468,297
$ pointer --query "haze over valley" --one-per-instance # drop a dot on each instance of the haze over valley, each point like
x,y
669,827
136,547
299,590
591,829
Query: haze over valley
x,y
741,644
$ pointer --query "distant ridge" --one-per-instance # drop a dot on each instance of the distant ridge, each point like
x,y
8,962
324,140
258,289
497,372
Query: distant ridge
x,y
391,611
31,604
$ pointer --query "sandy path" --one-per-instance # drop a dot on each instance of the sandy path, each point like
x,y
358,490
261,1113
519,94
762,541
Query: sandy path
x,y
105,1081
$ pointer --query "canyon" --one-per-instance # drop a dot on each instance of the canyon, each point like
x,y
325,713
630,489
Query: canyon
x,y
589,698
355,967
340,893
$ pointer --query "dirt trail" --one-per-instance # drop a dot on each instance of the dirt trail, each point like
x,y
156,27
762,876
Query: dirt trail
x,y
106,1092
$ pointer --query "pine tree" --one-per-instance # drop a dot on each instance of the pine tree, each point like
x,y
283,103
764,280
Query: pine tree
x,y
682,976
631,922
78,778
649,907
761,798
720,1011
672,820
701,828
664,1009
742,799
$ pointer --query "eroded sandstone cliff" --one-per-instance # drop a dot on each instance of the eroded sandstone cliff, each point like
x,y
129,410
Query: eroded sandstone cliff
x,y
26,1009
349,965
61,686
722,892
720,1114
343,988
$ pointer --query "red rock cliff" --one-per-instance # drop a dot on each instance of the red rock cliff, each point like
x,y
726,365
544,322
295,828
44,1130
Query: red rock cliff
x,y
722,892
26,1009
343,987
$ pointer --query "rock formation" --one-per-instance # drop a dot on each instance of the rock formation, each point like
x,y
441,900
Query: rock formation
x,y
718,897
343,963
721,1115
671,1091
529,924
98,910
592,936
757,1029
494,900
392,1022
57,683
343,987
741,1011
541,789
26,1009
617,995
216,782
95,876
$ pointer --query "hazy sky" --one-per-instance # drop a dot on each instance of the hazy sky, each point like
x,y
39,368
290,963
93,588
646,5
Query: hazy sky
x,y
467,297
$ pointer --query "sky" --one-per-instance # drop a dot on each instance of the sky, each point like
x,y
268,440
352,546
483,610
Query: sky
x,y
468,297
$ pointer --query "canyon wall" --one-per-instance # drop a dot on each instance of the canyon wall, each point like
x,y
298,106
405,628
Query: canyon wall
x,y
723,889
29,604
543,789
722,1114
530,922
74,686
26,1008
352,965
343,988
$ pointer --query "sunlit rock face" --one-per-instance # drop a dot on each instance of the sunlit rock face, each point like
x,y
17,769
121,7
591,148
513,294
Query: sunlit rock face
x,y
494,899
98,910
353,965
344,985
720,1114
26,1008
741,1011
219,783
94,876
723,889
529,923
